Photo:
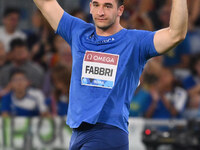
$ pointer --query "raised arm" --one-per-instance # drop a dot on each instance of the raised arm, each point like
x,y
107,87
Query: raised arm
x,y
51,11
167,38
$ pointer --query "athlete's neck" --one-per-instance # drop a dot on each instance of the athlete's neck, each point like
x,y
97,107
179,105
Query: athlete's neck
x,y
110,31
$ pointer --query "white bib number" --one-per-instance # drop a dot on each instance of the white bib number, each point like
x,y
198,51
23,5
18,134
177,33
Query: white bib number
x,y
99,69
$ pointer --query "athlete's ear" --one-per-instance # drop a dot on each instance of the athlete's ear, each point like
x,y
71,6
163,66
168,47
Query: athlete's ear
x,y
120,10
90,7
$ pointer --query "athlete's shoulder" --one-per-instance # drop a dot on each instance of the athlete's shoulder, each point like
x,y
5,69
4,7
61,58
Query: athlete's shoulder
x,y
138,34
134,34
70,26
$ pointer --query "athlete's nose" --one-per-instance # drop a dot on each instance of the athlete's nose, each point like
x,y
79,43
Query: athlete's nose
x,y
100,11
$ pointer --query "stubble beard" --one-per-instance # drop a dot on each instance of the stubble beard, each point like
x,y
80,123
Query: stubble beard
x,y
105,27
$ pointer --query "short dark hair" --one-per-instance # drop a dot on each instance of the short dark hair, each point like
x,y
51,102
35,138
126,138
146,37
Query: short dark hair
x,y
17,71
18,42
120,2
10,10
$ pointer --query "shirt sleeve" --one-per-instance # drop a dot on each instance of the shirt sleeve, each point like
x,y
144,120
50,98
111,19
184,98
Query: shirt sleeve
x,y
68,26
147,48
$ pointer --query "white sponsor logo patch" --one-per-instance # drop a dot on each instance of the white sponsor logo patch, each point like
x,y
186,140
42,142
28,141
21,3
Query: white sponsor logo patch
x,y
99,69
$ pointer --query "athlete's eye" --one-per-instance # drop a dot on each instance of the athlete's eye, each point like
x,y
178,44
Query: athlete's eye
x,y
95,5
108,6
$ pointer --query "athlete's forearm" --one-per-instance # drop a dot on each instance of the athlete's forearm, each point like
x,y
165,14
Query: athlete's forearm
x,y
179,19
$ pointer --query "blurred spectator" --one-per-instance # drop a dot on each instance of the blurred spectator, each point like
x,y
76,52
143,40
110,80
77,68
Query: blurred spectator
x,y
194,37
2,55
20,59
58,101
140,22
152,5
3,59
9,30
173,96
194,14
22,100
84,4
62,53
62,56
131,7
80,14
163,16
161,97
139,105
40,40
124,22
178,57
154,66
34,33
192,85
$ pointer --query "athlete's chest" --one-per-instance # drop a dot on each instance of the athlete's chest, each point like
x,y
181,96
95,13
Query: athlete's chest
x,y
101,65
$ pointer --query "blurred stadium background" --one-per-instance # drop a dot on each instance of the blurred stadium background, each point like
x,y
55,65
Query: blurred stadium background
x,y
35,70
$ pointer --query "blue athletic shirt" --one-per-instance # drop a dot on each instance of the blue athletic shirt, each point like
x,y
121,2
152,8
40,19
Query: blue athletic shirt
x,y
105,71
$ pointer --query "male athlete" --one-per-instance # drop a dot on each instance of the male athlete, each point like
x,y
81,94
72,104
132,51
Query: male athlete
x,y
107,63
